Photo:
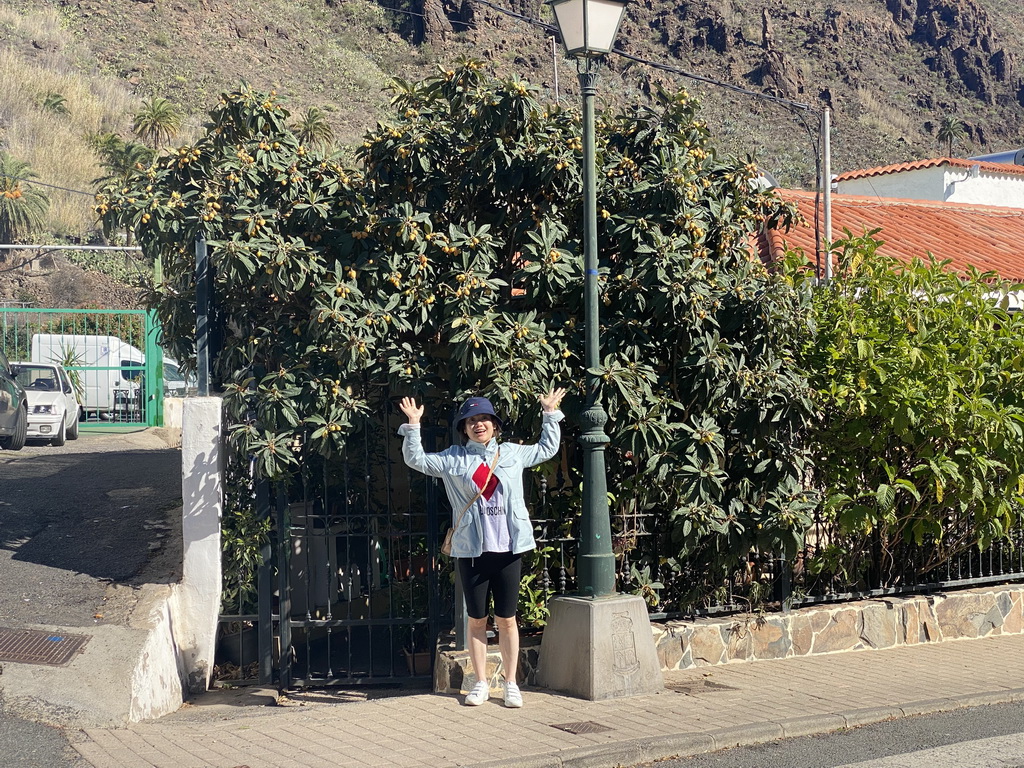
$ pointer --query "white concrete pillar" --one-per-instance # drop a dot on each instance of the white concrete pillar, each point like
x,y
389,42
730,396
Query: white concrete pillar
x,y
198,604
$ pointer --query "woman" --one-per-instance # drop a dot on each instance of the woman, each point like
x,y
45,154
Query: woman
x,y
492,528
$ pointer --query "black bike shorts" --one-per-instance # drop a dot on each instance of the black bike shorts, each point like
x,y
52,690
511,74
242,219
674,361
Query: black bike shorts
x,y
493,573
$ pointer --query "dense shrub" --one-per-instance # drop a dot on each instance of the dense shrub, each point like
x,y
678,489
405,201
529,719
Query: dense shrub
x,y
919,374
450,262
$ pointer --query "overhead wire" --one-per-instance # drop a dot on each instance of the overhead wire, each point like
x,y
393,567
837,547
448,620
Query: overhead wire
x,y
657,65
799,109
421,15
55,248
796,105
45,184
789,103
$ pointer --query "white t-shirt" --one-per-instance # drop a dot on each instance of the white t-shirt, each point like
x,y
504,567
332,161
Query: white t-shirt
x,y
493,516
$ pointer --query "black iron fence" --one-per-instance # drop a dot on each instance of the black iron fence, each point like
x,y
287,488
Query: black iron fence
x,y
830,567
352,590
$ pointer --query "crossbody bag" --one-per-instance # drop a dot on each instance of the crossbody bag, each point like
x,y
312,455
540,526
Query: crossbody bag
x,y
446,547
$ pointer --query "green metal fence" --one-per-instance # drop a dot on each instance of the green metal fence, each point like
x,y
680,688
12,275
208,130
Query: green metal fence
x,y
112,356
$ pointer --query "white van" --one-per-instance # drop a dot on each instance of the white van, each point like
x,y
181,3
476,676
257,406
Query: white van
x,y
117,368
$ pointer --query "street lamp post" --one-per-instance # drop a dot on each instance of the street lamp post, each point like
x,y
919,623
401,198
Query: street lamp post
x,y
596,644
596,562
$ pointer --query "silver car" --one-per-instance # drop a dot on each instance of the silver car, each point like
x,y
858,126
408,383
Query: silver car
x,y
54,408
13,408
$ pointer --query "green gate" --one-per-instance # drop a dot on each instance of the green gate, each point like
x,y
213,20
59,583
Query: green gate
x,y
112,356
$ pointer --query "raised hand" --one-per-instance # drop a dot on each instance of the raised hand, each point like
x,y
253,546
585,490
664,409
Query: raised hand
x,y
552,399
412,411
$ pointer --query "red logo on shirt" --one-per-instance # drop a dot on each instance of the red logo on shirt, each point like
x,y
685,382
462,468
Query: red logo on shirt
x,y
480,476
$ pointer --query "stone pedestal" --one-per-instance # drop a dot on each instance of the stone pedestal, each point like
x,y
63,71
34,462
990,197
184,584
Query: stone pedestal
x,y
599,648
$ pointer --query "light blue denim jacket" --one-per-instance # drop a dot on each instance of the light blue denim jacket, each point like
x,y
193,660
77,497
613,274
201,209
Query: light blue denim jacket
x,y
456,465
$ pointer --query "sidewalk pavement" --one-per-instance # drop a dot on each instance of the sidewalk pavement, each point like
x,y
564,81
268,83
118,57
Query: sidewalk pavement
x,y
700,710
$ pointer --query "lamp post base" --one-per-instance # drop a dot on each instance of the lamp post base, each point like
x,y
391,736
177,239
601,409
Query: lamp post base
x,y
599,648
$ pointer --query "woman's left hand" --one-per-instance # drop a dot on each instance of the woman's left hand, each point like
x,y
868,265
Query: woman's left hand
x,y
550,401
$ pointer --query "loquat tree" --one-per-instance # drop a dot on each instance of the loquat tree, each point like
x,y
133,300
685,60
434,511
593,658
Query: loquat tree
x,y
450,262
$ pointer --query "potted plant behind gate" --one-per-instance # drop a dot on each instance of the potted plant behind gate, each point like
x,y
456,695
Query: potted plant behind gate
x,y
409,601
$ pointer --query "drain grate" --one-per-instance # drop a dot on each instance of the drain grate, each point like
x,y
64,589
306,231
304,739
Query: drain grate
x,y
585,727
31,646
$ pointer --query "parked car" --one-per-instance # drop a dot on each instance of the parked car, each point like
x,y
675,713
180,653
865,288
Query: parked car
x,y
13,408
54,408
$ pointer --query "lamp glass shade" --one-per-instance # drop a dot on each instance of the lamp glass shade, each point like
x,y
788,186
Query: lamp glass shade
x,y
588,27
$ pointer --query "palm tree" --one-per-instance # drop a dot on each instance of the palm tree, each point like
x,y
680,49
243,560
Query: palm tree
x,y
313,129
22,208
119,158
950,130
158,121
101,141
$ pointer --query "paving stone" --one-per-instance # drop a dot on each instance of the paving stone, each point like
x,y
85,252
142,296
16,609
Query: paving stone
x,y
814,694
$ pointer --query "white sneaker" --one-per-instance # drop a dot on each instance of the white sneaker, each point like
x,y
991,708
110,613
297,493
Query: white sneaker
x,y
481,692
513,697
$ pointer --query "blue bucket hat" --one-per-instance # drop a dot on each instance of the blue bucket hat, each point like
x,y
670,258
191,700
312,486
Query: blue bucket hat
x,y
474,407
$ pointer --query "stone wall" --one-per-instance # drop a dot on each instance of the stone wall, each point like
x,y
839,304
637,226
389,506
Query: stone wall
x,y
863,625
856,626
453,672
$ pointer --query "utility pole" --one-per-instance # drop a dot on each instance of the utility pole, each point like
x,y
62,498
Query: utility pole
x,y
826,187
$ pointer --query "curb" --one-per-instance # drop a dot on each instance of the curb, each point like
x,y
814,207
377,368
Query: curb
x,y
632,752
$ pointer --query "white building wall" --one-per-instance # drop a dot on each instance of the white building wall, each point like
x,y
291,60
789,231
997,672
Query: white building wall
x,y
942,184
919,184
1002,190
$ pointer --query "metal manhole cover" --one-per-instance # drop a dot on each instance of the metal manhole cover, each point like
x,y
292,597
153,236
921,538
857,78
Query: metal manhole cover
x,y
31,646
584,727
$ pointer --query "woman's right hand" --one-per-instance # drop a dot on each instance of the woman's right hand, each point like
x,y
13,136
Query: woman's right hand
x,y
412,411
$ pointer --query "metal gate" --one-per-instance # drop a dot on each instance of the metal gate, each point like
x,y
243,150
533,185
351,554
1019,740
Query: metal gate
x,y
357,593
113,358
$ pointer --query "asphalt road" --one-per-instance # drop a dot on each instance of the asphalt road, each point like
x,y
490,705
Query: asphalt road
x,y
74,521
77,518
25,744
979,737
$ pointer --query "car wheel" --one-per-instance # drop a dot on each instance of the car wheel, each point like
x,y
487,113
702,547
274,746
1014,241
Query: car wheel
x,y
17,440
61,435
73,432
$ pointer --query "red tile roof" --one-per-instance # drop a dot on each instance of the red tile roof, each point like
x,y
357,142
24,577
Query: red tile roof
x,y
916,165
981,236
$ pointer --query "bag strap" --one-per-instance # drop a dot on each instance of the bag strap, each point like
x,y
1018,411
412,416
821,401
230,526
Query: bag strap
x,y
479,493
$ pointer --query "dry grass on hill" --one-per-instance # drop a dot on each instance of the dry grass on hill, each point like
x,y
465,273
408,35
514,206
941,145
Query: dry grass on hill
x,y
37,63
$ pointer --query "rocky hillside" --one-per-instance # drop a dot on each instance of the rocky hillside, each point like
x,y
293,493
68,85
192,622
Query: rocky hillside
x,y
890,70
